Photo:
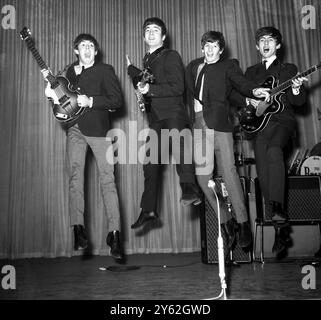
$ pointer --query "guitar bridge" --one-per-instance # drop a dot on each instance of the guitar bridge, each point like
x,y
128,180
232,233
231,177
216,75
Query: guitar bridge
x,y
61,115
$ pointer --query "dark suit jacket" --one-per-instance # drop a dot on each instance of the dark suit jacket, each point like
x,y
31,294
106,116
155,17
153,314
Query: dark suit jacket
x,y
167,92
219,80
101,83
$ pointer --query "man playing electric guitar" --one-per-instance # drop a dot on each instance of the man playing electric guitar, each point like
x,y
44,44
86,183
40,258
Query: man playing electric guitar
x,y
166,111
270,141
100,92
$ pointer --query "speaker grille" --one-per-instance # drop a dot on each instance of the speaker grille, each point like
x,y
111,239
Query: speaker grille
x,y
304,198
209,234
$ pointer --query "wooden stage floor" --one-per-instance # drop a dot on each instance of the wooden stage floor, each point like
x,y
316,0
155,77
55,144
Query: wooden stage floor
x,y
145,277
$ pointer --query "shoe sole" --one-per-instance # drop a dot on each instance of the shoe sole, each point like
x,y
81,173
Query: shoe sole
x,y
151,218
195,202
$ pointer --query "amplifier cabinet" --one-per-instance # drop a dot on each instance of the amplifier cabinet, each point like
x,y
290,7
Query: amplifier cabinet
x,y
209,231
304,198
302,201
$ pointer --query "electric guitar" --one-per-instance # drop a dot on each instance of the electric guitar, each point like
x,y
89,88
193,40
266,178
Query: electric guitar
x,y
64,105
255,119
144,77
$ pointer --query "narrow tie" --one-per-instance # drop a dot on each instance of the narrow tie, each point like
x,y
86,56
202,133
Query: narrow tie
x,y
264,62
199,82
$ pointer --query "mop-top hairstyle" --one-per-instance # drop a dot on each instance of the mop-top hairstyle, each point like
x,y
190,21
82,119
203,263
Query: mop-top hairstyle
x,y
155,20
213,36
268,31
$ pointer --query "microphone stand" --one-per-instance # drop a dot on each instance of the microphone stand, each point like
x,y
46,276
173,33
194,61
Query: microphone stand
x,y
220,246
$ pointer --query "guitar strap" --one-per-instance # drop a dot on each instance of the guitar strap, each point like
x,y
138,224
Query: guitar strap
x,y
149,59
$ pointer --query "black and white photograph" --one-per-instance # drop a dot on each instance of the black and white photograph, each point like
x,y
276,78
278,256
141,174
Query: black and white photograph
x,y
160,155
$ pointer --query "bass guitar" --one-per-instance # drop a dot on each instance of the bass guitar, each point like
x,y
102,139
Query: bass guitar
x,y
255,119
64,106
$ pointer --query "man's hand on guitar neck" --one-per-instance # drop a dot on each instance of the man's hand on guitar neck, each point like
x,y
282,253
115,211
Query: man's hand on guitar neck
x,y
49,92
297,83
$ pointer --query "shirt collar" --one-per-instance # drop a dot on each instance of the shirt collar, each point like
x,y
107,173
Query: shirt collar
x,y
269,60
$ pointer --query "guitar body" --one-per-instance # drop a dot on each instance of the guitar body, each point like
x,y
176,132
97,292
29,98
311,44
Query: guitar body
x,y
249,121
67,111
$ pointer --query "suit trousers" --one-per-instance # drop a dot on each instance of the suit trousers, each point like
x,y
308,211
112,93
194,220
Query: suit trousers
x,y
217,145
181,151
268,148
77,145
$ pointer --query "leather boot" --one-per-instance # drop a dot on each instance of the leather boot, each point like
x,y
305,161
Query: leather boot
x,y
113,240
278,213
245,234
81,241
282,239
230,228
144,217
190,194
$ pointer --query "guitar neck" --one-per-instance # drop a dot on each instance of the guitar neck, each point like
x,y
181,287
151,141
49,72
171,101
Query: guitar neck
x,y
43,66
288,83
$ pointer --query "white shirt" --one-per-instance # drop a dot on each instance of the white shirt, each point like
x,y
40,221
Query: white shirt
x,y
269,61
197,105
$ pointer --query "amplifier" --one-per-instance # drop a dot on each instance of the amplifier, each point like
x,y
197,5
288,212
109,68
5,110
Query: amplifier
x,y
209,231
303,200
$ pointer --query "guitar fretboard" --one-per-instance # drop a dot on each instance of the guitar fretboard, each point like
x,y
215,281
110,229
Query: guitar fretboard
x,y
288,83
39,60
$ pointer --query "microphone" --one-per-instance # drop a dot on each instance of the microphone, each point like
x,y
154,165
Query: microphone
x,y
220,246
211,184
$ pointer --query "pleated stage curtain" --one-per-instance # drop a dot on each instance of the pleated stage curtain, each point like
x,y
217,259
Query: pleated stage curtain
x,y
34,218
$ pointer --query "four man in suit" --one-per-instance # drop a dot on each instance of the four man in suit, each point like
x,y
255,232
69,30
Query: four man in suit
x,y
210,81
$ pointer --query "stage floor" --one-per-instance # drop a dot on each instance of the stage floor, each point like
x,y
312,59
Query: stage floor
x,y
157,277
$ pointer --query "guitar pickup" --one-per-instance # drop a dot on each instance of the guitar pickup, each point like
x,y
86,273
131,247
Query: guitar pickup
x,y
61,115
63,100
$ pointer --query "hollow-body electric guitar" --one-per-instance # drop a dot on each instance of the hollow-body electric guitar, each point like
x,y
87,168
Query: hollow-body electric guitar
x,y
255,119
64,105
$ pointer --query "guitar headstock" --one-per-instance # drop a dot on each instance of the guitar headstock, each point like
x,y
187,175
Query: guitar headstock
x,y
25,33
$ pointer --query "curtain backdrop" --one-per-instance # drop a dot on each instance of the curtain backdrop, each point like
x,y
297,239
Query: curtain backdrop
x,y
34,220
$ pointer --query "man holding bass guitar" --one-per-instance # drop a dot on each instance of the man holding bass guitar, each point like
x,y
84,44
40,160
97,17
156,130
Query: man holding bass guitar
x,y
272,138
99,93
